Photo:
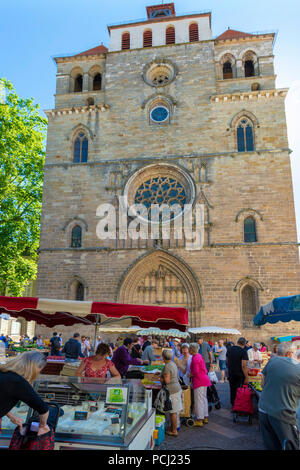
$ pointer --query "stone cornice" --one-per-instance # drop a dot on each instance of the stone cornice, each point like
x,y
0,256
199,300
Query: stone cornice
x,y
247,79
238,40
249,95
78,58
159,158
75,110
213,245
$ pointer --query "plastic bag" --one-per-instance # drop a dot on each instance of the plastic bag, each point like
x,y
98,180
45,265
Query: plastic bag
x,y
213,377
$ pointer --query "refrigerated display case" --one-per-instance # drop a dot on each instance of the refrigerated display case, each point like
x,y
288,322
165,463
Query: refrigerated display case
x,y
98,413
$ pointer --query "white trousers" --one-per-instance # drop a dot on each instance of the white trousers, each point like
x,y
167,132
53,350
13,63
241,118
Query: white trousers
x,y
200,403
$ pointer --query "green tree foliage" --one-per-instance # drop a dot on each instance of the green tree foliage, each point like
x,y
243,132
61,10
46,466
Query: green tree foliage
x,y
22,143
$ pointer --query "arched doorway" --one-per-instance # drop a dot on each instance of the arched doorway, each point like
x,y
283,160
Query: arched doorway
x,y
162,279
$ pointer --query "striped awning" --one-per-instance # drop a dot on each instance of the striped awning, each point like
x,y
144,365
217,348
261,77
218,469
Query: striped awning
x,y
52,312
214,329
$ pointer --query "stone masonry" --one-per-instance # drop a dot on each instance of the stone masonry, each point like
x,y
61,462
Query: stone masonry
x,y
198,142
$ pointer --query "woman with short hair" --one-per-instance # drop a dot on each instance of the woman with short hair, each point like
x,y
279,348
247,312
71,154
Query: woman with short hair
x,y
169,378
98,365
16,379
200,382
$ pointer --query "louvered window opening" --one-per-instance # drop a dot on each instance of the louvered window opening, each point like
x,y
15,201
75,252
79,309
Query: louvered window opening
x,y
227,70
148,39
97,82
249,69
194,33
78,84
125,41
170,35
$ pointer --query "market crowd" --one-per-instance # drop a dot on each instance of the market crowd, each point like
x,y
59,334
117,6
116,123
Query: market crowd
x,y
185,365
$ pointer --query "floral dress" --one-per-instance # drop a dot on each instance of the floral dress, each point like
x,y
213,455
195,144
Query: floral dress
x,y
100,373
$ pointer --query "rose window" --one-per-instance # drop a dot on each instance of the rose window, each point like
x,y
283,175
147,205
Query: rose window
x,y
161,190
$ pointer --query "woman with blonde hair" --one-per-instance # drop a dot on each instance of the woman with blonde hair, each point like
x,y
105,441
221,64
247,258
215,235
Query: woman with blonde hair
x,y
16,379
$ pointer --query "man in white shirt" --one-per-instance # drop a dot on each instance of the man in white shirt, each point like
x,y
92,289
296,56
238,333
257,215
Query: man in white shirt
x,y
255,356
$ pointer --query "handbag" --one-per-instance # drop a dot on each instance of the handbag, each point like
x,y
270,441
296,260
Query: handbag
x,y
243,401
30,440
163,402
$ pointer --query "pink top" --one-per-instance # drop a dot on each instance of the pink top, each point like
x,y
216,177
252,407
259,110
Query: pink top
x,y
89,372
263,349
199,372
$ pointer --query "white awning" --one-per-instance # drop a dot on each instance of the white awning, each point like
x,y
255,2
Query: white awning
x,y
157,332
118,329
214,329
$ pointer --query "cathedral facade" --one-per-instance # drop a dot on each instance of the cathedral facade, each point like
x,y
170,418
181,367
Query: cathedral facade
x,y
168,113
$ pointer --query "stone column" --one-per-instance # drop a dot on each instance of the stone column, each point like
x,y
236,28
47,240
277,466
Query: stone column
x,y
85,82
239,69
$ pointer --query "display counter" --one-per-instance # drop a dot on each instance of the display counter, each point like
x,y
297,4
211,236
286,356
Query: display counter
x,y
98,413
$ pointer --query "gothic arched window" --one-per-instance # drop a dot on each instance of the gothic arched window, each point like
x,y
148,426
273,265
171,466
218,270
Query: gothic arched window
x,y
78,84
81,148
249,305
249,230
227,70
245,135
147,38
97,82
125,41
79,293
76,237
193,32
170,35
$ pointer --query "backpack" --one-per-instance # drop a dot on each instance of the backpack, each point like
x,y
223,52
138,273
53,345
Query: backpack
x,y
163,402
56,343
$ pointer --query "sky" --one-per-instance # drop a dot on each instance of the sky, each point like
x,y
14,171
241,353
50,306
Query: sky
x,y
32,32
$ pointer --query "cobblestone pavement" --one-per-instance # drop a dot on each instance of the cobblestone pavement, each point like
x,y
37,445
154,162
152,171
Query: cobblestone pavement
x,y
221,433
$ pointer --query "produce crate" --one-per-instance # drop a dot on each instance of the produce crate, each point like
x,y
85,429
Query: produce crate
x,y
150,376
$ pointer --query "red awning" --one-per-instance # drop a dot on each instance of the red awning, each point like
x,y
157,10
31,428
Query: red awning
x,y
52,312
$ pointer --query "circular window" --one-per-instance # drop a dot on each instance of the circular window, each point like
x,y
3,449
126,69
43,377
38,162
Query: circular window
x,y
159,73
159,114
161,184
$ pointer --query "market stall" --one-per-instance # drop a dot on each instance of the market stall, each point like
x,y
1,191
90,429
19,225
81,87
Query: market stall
x,y
122,425
97,414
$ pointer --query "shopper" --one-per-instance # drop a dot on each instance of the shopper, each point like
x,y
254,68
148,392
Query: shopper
x,y
39,341
55,345
98,365
122,358
237,358
248,345
72,349
184,364
174,344
254,356
263,347
16,378
169,378
200,382
279,400
147,343
206,353
221,350
148,353
275,351
136,350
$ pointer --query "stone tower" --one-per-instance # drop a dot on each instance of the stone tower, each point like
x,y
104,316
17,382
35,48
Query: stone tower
x,y
169,109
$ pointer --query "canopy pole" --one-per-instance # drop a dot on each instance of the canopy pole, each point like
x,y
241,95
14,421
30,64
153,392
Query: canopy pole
x,y
98,322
